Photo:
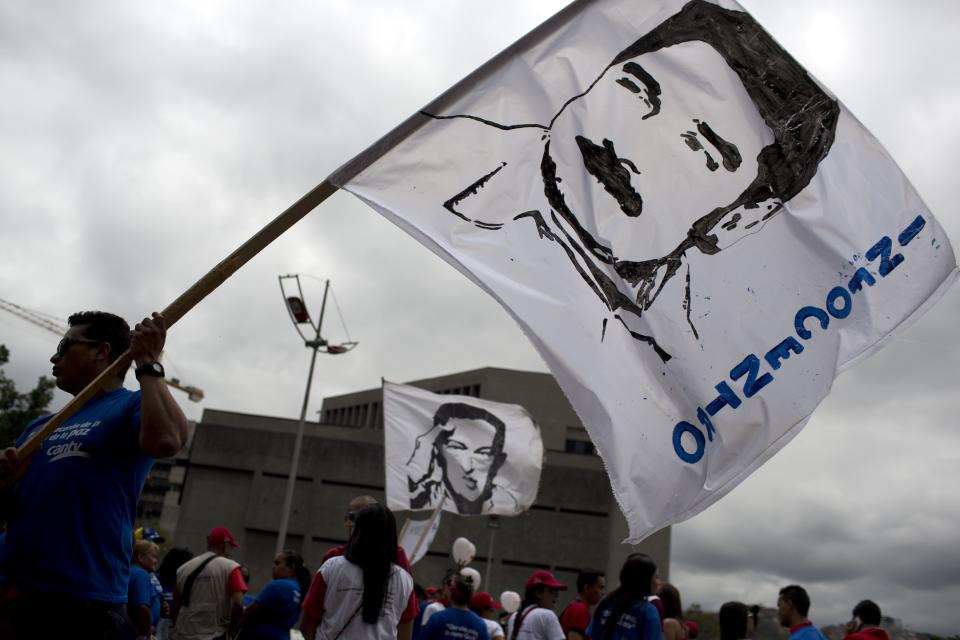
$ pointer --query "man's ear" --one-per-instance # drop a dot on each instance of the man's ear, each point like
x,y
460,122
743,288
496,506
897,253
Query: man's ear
x,y
104,351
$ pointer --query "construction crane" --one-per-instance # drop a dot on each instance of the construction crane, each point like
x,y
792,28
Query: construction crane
x,y
53,325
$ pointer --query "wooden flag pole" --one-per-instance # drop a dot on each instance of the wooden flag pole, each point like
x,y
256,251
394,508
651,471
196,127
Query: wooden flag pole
x,y
187,301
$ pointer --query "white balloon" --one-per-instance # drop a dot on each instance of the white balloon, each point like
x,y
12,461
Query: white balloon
x,y
510,601
463,551
472,576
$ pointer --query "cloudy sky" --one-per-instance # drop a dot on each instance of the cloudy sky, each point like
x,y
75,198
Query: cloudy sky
x,y
142,142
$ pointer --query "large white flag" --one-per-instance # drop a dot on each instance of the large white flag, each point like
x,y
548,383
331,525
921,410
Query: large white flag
x,y
459,453
694,233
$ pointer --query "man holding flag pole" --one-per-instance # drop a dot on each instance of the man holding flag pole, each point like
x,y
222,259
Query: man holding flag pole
x,y
70,524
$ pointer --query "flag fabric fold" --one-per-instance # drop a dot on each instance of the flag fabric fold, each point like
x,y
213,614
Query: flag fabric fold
x,y
693,232
416,536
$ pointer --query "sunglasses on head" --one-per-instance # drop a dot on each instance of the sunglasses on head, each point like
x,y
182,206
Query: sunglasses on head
x,y
351,516
66,343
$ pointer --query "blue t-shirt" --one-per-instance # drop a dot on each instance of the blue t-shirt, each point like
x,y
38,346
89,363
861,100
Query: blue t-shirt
x,y
279,611
640,621
158,594
142,591
807,632
71,526
454,623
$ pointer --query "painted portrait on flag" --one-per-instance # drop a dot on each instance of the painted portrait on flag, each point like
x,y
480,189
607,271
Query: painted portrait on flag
x,y
696,236
470,456
625,198
466,446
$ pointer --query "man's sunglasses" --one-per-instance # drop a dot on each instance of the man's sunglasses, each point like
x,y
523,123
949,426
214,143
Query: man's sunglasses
x,y
66,343
351,516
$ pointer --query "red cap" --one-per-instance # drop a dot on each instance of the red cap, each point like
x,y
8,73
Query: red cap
x,y
219,535
432,591
546,579
482,600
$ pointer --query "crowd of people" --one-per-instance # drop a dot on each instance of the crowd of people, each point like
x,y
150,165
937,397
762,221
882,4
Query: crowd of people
x,y
72,565
364,589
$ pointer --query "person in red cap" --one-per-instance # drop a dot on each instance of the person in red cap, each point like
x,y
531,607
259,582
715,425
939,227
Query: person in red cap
x,y
483,604
535,620
208,592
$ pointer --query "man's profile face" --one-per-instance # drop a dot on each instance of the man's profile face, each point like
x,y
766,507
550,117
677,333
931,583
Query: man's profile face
x,y
467,456
76,361
682,144
784,611
593,593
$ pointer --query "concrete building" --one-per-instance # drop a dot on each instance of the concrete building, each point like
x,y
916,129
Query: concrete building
x,y
238,470
159,505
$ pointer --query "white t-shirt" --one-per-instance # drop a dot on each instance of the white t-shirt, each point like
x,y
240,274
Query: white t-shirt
x,y
539,624
344,594
431,609
494,630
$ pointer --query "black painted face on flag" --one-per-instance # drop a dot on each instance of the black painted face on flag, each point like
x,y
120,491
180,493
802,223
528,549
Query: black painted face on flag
x,y
639,160
689,140
466,453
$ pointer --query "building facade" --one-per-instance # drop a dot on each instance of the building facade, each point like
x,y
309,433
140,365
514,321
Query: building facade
x,y
238,469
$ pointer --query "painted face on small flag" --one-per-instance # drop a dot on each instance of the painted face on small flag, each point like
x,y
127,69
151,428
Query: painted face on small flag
x,y
661,140
466,455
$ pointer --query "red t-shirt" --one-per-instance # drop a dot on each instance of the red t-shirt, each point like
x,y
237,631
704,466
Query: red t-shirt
x,y
235,582
576,617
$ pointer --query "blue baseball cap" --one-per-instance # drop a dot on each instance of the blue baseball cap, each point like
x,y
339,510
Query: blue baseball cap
x,y
148,533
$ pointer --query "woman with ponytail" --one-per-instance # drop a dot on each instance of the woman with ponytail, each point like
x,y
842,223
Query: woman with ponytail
x,y
363,594
626,614
276,610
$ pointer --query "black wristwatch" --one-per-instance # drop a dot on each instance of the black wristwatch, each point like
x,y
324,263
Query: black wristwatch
x,y
149,369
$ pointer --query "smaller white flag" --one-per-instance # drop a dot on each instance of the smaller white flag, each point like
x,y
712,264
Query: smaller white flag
x,y
417,536
466,455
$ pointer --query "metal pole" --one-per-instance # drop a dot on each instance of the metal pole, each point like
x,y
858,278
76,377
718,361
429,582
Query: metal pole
x,y
298,443
493,524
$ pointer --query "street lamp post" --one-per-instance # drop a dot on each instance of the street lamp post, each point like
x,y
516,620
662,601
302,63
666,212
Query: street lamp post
x,y
300,316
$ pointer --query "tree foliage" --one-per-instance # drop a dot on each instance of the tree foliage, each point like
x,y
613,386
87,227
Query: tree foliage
x,y
17,409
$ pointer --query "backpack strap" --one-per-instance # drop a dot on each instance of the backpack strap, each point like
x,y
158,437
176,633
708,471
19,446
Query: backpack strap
x,y
188,583
521,616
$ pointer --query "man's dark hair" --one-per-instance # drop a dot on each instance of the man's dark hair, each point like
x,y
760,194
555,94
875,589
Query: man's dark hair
x,y
587,577
798,596
104,327
733,620
868,611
